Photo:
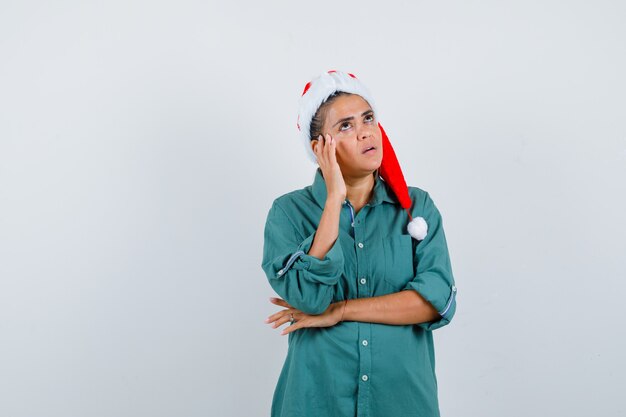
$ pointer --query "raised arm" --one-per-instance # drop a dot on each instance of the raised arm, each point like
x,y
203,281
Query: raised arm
x,y
328,229
303,269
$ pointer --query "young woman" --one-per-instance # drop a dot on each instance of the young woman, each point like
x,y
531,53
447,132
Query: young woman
x,y
361,294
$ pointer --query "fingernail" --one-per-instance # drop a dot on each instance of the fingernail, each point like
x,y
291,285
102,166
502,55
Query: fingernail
x,y
267,320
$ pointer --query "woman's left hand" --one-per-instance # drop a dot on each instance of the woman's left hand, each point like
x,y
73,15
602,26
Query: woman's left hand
x,y
328,318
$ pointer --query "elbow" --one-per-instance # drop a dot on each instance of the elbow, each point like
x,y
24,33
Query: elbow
x,y
314,310
312,302
302,294
313,306
443,317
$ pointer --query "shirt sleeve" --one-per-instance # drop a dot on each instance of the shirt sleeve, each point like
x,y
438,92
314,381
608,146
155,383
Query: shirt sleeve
x,y
433,279
304,281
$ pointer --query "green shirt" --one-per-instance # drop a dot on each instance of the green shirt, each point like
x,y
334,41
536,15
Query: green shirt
x,y
358,368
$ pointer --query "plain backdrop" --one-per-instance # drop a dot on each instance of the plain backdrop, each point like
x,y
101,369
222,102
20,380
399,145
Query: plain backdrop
x,y
143,142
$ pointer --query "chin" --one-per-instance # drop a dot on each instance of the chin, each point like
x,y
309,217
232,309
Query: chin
x,y
371,167
375,165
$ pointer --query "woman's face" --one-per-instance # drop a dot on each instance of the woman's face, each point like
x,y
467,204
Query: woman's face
x,y
351,121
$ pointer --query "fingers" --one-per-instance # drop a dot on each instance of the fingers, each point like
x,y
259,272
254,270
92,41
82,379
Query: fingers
x,y
291,328
328,144
332,149
297,324
277,316
325,149
280,302
283,317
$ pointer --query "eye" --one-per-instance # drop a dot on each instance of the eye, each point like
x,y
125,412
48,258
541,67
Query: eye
x,y
344,126
369,117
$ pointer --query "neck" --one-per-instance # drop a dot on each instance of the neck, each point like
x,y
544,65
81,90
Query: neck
x,y
359,189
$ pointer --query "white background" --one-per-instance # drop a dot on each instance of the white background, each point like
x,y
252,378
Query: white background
x,y
142,143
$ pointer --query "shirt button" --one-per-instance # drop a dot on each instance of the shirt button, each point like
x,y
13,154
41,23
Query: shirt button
x,y
364,342
360,245
363,280
364,378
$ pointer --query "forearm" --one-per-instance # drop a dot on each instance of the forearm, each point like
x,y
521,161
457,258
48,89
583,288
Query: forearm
x,y
328,228
401,308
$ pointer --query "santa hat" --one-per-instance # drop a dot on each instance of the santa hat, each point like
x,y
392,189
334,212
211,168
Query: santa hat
x,y
315,93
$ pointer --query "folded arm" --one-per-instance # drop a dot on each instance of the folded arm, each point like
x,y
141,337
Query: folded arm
x,y
429,299
400,308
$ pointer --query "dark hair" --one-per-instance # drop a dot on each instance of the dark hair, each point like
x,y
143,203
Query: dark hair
x,y
320,115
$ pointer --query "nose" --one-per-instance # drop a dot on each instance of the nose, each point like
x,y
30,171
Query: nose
x,y
365,132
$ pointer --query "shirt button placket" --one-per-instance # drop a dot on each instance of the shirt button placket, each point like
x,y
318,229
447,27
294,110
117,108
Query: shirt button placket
x,y
364,333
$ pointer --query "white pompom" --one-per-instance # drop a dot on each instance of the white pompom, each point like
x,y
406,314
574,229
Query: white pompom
x,y
418,228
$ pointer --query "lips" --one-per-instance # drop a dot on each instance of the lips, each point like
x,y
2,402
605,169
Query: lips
x,y
369,149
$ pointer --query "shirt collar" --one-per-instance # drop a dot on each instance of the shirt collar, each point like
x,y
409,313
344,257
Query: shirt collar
x,y
382,191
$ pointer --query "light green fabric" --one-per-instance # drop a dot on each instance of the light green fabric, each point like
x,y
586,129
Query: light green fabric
x,y
355,368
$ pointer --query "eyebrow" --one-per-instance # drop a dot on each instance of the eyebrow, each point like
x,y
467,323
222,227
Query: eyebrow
x,y
345,119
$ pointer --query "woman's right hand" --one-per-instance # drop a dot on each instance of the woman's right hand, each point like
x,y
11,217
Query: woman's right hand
x,y
325,151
